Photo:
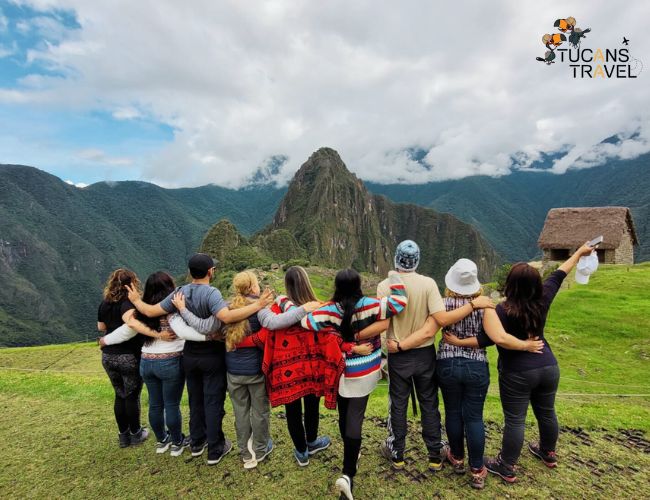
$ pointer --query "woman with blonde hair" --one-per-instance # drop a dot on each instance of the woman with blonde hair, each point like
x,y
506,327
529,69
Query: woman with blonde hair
x,y
246,383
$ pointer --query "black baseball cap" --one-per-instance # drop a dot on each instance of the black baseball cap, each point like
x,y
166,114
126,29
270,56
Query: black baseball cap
x,y
199,265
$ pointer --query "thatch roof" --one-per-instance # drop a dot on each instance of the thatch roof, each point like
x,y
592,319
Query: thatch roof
x,y
571,227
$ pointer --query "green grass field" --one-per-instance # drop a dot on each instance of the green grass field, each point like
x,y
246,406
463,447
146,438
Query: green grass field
x,y
60,438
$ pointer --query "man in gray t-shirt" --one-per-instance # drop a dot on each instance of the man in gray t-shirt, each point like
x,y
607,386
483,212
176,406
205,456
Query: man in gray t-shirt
x,y
204,362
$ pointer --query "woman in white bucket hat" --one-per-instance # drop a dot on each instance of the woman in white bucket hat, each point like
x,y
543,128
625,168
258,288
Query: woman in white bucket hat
x,y
525,378
463,372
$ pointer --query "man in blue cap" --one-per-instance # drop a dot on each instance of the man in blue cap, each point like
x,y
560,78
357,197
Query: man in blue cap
x,y
414,365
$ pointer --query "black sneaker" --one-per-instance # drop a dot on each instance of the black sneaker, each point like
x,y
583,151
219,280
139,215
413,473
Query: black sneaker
x,y
549,458
163,446
227,446
198,448
139,437
124,439
501,469
436,461
178,448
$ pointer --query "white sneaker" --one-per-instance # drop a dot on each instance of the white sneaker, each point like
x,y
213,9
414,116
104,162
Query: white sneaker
x,y
344,486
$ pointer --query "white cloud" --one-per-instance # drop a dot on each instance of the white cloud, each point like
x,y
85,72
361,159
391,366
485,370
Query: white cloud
x,y
126,113
80,185
241,82
99,156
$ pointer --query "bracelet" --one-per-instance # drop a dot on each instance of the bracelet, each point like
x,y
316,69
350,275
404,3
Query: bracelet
x,y
471,303
399,348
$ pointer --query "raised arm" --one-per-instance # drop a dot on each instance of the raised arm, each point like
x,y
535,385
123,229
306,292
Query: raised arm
x,y
573,260
397,300
149,310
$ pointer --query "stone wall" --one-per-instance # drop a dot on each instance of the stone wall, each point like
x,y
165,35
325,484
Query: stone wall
x,y
625,251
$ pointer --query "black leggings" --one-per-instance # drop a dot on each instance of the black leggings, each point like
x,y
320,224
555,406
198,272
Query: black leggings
x,y
351,414
124,372
300,433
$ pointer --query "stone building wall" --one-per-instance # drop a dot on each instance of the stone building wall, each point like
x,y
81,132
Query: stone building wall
x,y
625,251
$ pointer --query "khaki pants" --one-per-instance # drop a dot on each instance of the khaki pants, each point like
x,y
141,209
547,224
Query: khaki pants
x,y
252,413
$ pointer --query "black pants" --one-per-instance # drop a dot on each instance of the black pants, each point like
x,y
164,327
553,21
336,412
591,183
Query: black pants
x,y
206,390
415,367
352,411
517,389
124,372
300,433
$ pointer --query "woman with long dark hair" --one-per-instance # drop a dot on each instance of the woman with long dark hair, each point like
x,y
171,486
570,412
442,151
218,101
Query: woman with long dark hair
x,y
526,377
353,315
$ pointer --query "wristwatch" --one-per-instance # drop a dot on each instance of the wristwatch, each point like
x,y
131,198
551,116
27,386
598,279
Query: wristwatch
x,y
399,348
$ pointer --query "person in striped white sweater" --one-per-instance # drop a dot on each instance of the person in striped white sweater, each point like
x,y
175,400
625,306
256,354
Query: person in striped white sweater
x,y
350,312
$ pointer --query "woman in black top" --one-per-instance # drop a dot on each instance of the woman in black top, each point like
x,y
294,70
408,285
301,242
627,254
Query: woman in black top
x,y
122,361
526,377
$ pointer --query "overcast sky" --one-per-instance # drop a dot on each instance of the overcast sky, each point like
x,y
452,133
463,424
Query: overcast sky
x,y
189,93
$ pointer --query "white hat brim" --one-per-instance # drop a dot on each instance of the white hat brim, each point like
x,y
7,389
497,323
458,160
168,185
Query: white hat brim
x,y
460,289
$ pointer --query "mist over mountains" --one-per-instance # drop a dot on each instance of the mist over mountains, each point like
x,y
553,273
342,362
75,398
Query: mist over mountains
x,y
58,243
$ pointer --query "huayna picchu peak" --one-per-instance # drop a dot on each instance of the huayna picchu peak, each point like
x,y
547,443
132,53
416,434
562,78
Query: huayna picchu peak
x,y
337,222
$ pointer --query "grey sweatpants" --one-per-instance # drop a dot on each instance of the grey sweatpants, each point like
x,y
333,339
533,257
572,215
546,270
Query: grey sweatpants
x,y
252,412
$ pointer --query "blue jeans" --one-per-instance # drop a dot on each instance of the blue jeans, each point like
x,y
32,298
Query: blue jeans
x,y
164,379
464,384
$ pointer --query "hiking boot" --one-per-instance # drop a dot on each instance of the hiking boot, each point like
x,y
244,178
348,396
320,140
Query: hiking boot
x,y
198,448
178,448
318,444
344,487
458,464
549,458
163,446
139,437
124,439
214,460
301,458
478,477
436,461
500,468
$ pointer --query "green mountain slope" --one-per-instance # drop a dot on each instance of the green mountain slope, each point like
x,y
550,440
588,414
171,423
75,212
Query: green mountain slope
x,y
510,210
58,243
340,223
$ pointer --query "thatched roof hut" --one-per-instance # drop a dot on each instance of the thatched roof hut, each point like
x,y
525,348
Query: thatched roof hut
x,y
566,229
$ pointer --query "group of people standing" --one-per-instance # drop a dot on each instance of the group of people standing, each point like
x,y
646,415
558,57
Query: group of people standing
x,y
294,350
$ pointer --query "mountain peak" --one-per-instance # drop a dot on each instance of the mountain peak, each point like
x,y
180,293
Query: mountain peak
x,y
324,162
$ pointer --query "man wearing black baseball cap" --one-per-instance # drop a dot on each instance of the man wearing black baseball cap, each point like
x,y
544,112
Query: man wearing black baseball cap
x,y
204,362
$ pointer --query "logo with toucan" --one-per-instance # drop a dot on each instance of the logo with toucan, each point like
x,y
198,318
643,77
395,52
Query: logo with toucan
x,y
565,46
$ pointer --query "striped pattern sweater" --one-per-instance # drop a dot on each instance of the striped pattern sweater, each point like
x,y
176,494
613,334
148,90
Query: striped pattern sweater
x,y
367,311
